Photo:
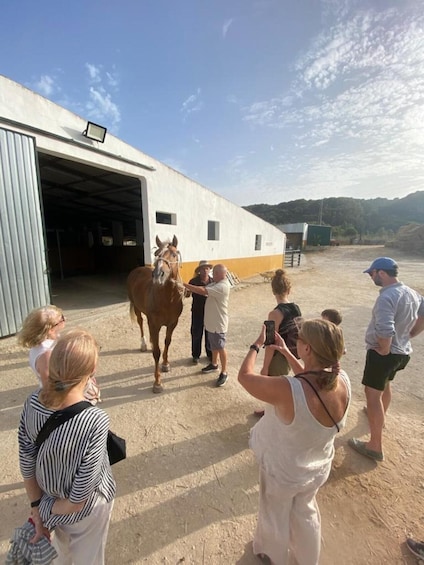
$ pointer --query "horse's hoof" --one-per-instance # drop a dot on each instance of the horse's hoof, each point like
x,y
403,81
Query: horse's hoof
x,y
157,388
165,368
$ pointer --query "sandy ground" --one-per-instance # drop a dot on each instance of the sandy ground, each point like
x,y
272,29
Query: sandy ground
x,y
188,491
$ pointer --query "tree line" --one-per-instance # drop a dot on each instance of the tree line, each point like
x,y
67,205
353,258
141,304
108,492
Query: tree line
x,y
347,216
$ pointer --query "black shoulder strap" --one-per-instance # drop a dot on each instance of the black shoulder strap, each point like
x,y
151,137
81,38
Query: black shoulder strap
x,y
320,399
58,418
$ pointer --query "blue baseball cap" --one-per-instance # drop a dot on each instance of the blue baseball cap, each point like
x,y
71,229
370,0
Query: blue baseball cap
x,y
383,263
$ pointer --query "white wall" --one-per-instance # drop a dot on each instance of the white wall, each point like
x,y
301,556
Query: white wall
x,y
163,189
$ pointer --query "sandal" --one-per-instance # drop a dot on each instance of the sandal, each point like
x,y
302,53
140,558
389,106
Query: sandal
x,y
361,447
416,547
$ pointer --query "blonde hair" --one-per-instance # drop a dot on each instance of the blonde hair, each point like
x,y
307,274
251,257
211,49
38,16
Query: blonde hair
x,y
280,282
327,344
73,358
37,324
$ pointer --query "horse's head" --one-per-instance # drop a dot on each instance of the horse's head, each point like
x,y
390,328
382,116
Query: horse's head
x,y
167,261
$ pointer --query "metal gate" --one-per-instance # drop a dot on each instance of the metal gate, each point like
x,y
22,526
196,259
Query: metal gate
x,y
24,282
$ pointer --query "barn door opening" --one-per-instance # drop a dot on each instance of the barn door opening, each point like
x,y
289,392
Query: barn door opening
x,y
93,218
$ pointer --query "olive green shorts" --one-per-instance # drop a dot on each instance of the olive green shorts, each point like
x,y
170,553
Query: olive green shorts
x,y
278,366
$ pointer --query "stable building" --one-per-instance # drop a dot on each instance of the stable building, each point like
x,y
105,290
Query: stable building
x,y
76,200
300,235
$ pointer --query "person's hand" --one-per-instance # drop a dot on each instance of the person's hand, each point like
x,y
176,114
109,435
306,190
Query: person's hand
x,y
279,343
260,340
40,529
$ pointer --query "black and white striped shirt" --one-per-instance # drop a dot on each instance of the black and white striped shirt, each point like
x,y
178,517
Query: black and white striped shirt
x,y
71,463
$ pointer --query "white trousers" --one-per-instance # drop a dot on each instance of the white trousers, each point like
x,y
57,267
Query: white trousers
x,y
289,522
84,543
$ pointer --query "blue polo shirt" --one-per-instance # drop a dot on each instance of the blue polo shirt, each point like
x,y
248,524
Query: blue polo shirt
x,y
394,314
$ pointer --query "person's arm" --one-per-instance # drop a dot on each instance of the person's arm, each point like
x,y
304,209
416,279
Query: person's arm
x,y
281,346
27,461
268,389
196,289
418,327
384,344
42,367
384,324
89,472
277,317
35,494
65,506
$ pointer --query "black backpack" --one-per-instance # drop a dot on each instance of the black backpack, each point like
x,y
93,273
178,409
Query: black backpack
x,y
288,329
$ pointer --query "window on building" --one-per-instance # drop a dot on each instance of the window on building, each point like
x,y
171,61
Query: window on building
x,y
166,218
213,231
258,242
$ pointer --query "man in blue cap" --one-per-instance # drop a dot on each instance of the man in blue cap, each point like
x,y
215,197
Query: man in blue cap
x,y
398,315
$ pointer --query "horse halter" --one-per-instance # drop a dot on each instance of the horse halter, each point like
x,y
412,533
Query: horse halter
x,y
159,275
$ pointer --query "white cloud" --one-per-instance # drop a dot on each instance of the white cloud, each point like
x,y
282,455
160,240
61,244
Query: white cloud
x,y
46,85
94,72
192,104
226,26
101,107
353,114
237,163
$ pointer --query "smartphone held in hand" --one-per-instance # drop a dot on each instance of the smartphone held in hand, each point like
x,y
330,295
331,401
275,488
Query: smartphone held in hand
x,y
270,332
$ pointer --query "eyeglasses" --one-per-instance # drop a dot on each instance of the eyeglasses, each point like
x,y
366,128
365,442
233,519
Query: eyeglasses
x,y
62,319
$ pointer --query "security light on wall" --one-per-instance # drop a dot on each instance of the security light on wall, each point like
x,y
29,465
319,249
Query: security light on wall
x,y
95,132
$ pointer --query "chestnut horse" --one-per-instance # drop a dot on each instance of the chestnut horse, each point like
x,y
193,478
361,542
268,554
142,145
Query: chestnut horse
x,y
155,293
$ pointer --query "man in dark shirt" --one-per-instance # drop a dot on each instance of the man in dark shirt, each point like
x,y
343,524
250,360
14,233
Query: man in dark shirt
x,y
201,278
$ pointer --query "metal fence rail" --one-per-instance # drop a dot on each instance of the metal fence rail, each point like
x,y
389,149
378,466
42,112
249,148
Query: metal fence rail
x,y
292,257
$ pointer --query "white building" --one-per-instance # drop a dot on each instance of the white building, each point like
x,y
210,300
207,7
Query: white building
x,y
74,205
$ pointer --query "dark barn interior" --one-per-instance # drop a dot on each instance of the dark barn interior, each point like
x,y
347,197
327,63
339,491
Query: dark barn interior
x,y
92,216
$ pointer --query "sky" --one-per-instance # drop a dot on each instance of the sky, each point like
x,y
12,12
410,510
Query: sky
x,y
261,101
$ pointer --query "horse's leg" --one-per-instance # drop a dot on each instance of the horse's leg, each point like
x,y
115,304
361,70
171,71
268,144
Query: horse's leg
x,y
143,345
154,339
168,338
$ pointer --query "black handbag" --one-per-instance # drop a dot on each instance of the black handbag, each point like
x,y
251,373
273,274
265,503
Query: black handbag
x,y
116,446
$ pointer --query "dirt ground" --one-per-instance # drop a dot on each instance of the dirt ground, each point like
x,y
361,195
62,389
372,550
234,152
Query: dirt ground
x,y
188,491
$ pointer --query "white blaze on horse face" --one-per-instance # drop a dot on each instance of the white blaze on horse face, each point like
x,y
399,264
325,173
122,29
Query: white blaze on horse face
x,y
166,265
161,271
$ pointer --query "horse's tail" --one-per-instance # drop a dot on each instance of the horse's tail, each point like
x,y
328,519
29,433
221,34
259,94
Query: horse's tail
x,y
132,313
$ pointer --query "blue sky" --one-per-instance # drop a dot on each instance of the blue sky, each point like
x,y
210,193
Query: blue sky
x,y
261,101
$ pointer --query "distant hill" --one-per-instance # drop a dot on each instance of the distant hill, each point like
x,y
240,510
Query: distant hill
x,y
360,215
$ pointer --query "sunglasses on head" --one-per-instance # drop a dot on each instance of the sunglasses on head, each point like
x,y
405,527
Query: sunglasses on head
x,y
62,319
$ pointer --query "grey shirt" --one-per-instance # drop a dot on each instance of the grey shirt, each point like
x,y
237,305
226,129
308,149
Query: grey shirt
x,y
394,314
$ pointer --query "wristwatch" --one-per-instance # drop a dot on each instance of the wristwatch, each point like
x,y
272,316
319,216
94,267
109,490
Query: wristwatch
x,y
255,347
35,503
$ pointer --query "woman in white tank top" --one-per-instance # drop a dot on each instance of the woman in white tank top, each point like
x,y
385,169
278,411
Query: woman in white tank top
x,y
294,441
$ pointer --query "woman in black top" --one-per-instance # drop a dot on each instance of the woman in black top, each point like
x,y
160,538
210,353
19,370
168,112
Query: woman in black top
x,y
201,278
285,316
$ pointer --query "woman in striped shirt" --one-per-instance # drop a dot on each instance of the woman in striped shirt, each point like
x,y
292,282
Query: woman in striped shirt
x,y
68,479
